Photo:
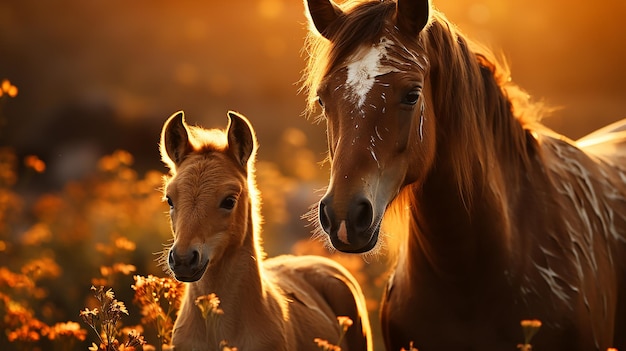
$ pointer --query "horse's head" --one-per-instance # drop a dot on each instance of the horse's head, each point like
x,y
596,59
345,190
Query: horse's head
x,y
207,191
373,88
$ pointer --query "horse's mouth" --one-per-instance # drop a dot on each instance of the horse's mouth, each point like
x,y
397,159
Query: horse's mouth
x,y
190,276
356,243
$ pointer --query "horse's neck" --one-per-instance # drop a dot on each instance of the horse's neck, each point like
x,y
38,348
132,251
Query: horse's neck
x,y
461,234
456,219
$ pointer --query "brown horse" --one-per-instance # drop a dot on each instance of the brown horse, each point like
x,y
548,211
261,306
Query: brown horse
x,y
499,219
282,303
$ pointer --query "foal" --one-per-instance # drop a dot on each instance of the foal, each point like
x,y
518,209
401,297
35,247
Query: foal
x,y
282,303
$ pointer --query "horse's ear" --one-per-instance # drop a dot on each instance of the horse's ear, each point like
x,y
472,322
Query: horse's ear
x,y
175,145
321,13
241,139
412,15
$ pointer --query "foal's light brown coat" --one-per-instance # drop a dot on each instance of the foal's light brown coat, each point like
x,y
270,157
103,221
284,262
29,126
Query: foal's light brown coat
x,y
276,304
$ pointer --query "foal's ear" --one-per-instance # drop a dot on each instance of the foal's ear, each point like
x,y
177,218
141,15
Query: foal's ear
x,y
241,139
412,15
321,13
175,145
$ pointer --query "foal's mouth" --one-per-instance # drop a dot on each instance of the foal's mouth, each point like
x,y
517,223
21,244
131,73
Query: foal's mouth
x,y
188,276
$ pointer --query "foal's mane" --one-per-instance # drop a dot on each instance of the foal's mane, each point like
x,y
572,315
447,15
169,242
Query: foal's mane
x,y
472,89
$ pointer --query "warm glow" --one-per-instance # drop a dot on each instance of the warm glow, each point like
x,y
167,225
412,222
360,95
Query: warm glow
x,y
270,9
99,76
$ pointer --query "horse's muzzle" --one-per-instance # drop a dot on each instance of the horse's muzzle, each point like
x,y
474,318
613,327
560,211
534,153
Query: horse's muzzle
x,y
357,233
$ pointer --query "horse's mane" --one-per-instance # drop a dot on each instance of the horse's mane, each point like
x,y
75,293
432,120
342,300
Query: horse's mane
x,y
491,106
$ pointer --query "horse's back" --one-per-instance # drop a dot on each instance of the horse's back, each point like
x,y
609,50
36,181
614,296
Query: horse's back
x,y
589,176
599,135
607,146
609,143
316,285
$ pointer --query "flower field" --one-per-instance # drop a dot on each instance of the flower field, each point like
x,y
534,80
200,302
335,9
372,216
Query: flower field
x,y
80,266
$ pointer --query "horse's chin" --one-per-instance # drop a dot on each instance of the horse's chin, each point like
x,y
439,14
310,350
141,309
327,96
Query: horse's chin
x,y
190,277
357,247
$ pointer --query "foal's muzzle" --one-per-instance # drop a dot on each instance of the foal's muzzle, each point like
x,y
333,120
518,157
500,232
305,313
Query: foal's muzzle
x,y
357,232
188,266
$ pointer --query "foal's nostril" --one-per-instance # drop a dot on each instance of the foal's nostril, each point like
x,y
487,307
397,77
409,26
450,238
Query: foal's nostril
x,y
171,259
325,217
191,260
361,216
195,259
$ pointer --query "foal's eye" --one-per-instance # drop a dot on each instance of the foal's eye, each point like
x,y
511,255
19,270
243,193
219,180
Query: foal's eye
x,y
169,201
228,203
411,98
319,101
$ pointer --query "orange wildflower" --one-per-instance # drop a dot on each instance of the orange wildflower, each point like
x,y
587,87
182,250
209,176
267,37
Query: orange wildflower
x,y
7,88
35,163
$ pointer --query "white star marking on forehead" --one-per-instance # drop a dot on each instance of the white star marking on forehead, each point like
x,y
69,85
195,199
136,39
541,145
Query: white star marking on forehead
x,y
363,68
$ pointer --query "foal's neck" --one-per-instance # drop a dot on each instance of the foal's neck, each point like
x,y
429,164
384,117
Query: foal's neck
x,y
237,281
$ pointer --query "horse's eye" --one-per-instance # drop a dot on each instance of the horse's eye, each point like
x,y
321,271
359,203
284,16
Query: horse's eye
x,y
411,98
319,101
228,203
169,201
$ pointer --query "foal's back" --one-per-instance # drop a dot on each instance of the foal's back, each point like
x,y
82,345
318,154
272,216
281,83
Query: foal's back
x,y
318,290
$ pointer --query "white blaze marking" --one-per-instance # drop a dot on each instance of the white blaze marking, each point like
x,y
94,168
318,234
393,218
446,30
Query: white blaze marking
x,y
365,66
371,149
342,233
422,122
377,133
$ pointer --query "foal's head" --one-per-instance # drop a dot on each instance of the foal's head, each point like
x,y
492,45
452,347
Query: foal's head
x,y
369,73
207,191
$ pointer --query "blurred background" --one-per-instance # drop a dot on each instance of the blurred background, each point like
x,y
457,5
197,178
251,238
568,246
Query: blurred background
x,y
96,77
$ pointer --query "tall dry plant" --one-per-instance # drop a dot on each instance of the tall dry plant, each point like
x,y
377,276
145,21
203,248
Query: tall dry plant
x,y
159,301
105,321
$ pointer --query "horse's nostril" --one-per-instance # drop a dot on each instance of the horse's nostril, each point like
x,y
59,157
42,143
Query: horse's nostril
x,y
324,217
362,216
